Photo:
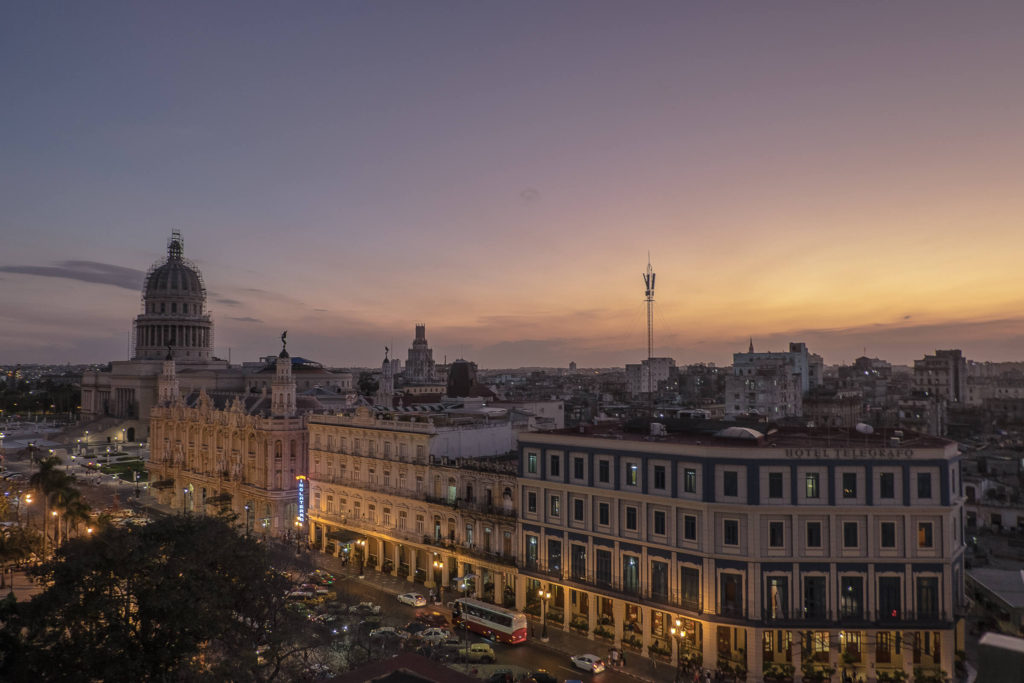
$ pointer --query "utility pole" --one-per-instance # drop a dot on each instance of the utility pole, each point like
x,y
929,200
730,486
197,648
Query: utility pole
x,y
649,298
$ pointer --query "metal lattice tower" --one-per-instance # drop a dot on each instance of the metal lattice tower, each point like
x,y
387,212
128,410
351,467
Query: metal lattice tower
x,y
649,297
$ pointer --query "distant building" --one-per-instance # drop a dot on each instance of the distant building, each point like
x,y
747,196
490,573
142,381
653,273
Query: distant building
x,y
419,367
645,376
943,376
772,383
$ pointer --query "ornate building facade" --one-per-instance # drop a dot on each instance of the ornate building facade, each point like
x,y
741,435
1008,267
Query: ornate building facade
x,y
419,367
430,500
243,452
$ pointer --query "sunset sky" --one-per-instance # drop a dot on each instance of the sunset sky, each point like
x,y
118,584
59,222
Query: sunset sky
x,y
848,174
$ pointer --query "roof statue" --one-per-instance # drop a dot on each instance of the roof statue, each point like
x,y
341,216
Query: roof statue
x,y
284,345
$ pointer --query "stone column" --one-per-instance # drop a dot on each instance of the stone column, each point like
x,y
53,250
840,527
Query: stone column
x,y
499,587
520,592
797,649
710,646
755,655
645,635
591,613
618,616
907,653
394,559
413,559
478,582
834,651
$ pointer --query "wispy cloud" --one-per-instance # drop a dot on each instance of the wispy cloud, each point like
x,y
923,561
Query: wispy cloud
x,y
229,302
86,271
246,319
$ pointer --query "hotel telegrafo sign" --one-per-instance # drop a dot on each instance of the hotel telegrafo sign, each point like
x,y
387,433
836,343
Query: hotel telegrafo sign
x,y
850,453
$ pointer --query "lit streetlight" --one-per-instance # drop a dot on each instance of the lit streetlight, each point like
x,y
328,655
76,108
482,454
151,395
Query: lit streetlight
x,y
361,543
679,633
544,597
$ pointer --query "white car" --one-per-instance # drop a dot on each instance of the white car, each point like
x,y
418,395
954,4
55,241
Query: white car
x,y
591,663
435,636
388,631
414,599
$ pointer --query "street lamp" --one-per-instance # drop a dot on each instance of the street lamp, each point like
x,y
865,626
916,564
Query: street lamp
x,y
438,565
298,535
544,597
679,633
362,557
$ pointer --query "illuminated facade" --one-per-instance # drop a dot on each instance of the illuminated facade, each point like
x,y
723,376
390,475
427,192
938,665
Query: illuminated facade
x,y
775,554
242,452
430,499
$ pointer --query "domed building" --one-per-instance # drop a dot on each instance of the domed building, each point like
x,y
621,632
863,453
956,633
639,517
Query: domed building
x,y
173,310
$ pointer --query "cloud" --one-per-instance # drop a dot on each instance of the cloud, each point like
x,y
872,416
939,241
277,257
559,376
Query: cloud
x,y
246,319
86,271
229,302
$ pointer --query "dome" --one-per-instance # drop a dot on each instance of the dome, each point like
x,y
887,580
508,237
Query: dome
x,y
176,276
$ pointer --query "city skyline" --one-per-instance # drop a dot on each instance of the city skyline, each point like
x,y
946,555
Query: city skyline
x,y
840,175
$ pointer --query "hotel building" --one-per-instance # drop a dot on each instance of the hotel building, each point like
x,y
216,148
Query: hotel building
x,y
429,497
776,554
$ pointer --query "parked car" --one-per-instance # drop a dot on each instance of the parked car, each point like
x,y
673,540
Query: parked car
x,y
415,627
388,632
541,676
435,636
502,676
322,577
300,594
414,599
364,608
433,618
591,663
477,652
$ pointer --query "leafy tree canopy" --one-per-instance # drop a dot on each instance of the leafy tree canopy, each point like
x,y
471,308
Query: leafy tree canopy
x,y
182,598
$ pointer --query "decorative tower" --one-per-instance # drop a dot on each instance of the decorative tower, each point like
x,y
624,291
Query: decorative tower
x,y
167,386
419,368
386,388
282,395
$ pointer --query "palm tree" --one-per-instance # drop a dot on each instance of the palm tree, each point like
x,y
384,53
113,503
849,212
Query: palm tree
x,y
49,481
75,511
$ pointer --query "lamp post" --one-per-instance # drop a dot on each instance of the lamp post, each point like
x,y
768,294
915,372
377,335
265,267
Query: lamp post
x,y
298,535
361,543
438,565
679,633
544,597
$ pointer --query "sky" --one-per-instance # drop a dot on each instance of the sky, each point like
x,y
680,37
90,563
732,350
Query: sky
x,y
845,174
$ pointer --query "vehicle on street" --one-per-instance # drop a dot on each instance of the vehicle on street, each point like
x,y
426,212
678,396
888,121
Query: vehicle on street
x,y
490,621
415,627
388,631
322,577
435,636
477,652
541,676
414,599
502,676
591,663
300,594
364,608
432,618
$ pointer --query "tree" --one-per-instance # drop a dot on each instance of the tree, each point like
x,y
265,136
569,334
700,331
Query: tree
x,y
367,383
50,483
16,544
182,598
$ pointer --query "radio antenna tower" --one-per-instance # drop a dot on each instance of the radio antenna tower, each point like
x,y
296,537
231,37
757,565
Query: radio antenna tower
x,y
649,297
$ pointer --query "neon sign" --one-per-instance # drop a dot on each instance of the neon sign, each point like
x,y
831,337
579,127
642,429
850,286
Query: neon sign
x,y
302,498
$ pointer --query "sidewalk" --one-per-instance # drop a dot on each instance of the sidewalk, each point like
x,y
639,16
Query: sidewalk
x,y
563,642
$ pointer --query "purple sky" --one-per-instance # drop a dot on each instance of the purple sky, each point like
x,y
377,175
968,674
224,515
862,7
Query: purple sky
x,y
845,174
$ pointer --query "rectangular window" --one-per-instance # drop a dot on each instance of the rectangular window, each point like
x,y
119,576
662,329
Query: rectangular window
x,y
531,502
849,484
927,597
659,580
887,485
776,534
924,535
577,467
578,564
555,506
690,480
775,484
777,597
632,474
813,534
659,522
731,593
659,477
850,536
924,485
577,509
532,544
603,514
531,463
631,574
811,485
814,597
731,532
554,555
889,603
888,539
730,483
689,588
690,527
603,567
851,597
556,466
631,518
604,472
